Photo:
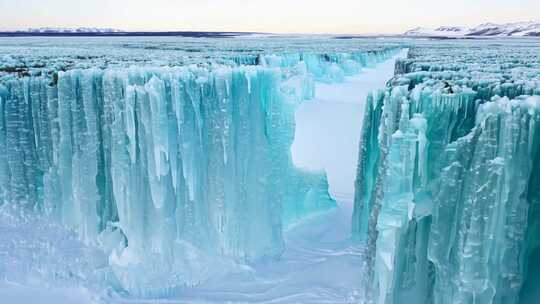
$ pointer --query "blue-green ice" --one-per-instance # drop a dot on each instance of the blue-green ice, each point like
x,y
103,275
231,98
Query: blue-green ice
x,y
260,170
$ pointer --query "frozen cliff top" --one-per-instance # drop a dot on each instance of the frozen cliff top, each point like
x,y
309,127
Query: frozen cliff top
x,y
486,65
35,55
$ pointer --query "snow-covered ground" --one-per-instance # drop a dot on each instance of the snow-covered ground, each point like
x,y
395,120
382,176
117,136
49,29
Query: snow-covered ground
x,y
328,127
11,293
320,264
44,263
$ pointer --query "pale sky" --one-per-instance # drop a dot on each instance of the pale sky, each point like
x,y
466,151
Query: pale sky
x,y
277,16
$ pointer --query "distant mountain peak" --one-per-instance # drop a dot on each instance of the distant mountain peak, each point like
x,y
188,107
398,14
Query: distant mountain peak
x,y
450,28
72,30
514,29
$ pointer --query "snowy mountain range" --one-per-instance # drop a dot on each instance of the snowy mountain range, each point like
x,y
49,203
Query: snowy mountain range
x,y
72,30
95,31
515,29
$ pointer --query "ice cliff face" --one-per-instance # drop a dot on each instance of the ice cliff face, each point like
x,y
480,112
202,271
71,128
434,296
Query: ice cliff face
x,y
447,191
176,173
139,160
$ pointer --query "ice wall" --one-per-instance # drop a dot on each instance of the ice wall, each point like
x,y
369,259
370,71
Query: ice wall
x,y
329,67
158,166
177,173
447,185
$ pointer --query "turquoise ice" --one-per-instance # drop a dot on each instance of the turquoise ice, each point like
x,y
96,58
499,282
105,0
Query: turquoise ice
x,y
175,172
447,186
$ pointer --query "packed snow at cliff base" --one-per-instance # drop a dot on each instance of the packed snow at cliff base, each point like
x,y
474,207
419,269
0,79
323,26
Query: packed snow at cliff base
x,y
269,170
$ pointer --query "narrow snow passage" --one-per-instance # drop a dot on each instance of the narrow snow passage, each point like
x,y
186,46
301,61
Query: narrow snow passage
x,y
328,127
320,264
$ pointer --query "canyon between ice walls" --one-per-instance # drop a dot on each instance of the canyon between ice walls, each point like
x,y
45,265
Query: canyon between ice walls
x,y
171,161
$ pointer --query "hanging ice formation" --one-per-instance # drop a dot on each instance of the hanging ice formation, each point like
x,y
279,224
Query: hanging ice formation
x,y
448,185
164,168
